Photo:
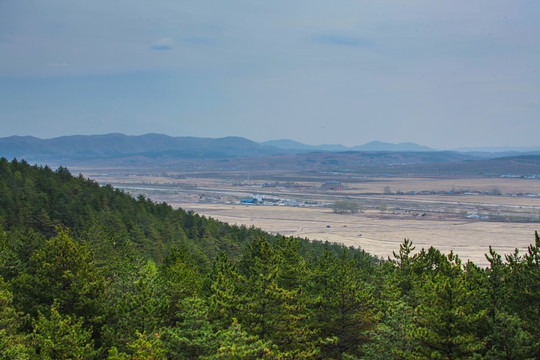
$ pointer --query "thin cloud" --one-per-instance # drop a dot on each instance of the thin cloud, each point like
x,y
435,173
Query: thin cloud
x,y
342,40
163,44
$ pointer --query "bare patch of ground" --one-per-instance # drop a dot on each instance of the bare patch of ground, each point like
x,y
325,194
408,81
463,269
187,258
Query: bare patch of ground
x,y
378,234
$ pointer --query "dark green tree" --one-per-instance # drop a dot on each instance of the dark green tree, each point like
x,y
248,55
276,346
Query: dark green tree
x,y
61,337
346,311
14,344
62,271
523,291
508,339
446,320
145,347
181,278
292,267
223,288
269,311
141,307
193,336
237,344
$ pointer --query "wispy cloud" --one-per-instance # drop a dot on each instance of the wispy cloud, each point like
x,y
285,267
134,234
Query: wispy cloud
x,y
342,40
163,44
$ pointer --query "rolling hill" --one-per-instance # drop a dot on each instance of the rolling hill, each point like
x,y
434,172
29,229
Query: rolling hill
x,y
109,146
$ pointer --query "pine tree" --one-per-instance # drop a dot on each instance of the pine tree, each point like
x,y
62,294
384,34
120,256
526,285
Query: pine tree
x,y
397,283
269,311
193,336
523,287
222,288
145,347
19,247
237,344
180,278
406,271
14,343
390,338
141,307
62,271
61,337
346,311
446,320
292,268
508,340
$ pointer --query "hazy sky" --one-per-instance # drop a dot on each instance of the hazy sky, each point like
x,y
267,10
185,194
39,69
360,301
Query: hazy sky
x,y
445,74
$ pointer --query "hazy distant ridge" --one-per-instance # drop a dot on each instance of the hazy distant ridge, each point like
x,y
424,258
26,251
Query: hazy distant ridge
x,y
163,147
80,147
118,145
371,146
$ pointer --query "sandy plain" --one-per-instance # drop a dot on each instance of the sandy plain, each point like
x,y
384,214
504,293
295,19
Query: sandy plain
x,y
443,225
376,234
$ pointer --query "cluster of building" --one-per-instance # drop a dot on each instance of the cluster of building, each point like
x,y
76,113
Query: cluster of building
x,y
258,199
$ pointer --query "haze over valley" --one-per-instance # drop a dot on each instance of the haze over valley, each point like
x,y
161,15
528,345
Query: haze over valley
x,y
460,201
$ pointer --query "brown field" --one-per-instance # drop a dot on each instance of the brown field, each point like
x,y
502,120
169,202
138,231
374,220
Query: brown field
x,y
377,234
384,220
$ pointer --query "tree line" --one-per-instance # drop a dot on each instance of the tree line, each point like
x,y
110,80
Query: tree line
x,y
88,272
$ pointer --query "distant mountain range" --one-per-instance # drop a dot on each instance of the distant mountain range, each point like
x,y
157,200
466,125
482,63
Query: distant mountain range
x,y
484,152
371,146
501,149
163,147
85,147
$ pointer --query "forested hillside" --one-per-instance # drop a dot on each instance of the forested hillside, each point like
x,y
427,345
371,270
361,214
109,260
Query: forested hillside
x,y
88,272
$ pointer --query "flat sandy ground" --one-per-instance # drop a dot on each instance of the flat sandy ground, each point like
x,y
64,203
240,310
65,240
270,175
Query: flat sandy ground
x,y
218,197
375,234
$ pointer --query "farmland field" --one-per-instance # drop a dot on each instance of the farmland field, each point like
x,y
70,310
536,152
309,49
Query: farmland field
x,y
465,215
378,235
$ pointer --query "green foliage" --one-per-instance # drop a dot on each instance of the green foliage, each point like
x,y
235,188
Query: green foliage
x,y
181,273
19,248
346,310
141,306
445,318
292,269
270,311
133,279
62,271
390,338
345,206
237,344
508,339
223,290
522,286
193,335
146,347
13,343
405,274
61,337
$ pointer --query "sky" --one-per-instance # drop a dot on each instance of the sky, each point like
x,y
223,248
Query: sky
x,y
445,74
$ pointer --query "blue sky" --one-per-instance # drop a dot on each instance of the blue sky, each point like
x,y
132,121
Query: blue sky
x,y
443,74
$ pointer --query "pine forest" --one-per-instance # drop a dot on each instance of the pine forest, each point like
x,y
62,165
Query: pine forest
x,y
89,272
